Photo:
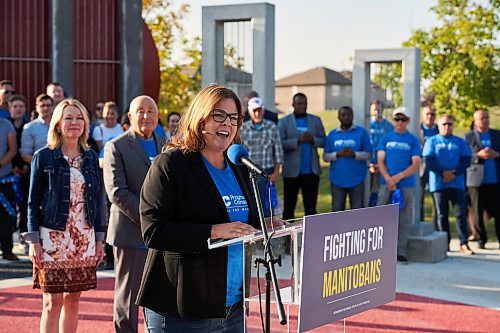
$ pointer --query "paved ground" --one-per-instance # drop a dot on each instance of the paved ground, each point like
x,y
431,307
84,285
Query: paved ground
x,y
473,280
467,279
471,283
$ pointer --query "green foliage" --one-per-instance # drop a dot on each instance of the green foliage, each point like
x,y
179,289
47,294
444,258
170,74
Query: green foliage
x,y
459,57
389,78
179,82
231,57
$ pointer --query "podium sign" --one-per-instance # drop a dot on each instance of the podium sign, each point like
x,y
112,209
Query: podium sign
x,y
348,264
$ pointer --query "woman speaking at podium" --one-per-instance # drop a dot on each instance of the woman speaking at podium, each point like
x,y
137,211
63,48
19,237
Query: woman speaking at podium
x,y
193,193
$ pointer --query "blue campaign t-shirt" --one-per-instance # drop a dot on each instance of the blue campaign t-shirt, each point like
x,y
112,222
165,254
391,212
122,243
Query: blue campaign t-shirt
x,y
447,151
160,131
490,168
399,150
306,148
377,130
429,131
150,147
348,172
237,210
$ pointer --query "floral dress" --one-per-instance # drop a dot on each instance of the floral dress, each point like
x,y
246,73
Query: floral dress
x,y
69,257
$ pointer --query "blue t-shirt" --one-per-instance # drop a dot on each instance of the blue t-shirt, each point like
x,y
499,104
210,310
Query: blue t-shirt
x,y
4,113
150,148
237,210
428,131
377,130
160,131
306,148
490,168
399,150
348,172
447,152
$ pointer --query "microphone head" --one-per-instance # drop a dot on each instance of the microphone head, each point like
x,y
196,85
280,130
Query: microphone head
x,y
235,153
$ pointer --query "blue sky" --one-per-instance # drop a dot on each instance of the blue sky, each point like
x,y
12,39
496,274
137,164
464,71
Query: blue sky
x,y
312,33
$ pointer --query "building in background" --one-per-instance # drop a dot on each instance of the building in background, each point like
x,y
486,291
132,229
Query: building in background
x,y
325,89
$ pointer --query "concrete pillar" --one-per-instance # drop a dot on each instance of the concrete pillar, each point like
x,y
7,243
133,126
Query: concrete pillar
x,y
262,17
131,54
61,42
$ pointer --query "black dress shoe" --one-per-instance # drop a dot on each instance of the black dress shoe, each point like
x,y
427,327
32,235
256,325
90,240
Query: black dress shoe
x,y
481,246
10,256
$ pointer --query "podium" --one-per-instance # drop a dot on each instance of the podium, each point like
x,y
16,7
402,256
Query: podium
x,y
332,266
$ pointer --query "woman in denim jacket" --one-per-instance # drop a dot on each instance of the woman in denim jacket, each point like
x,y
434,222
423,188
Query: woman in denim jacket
x,y
64,227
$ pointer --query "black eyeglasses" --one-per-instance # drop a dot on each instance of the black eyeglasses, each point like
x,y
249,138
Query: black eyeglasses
x,y
400,119
220,116
447,124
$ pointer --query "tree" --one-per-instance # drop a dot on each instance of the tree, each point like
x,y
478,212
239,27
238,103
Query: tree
x,y
179,82
389,78
459,57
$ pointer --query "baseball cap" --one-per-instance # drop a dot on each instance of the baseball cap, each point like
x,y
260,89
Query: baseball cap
x,y
255,103
401,110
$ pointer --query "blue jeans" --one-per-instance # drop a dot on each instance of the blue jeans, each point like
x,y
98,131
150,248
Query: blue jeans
x,y
164,323
339,194
458,200
405,217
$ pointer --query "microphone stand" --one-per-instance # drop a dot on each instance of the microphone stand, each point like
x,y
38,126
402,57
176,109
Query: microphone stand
x,y
268,262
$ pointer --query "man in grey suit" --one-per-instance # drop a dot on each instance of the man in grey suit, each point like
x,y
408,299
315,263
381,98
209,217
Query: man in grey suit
x,y
301,134
127,159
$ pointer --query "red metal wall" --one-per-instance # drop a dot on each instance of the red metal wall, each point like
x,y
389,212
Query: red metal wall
x,y
25,50
96,58
24,46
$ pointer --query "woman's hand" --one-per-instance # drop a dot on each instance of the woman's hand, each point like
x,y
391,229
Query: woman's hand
x,y
231,230
35,254
99,252
276,222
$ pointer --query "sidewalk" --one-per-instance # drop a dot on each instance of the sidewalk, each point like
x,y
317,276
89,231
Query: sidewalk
x,y
458,294
473,280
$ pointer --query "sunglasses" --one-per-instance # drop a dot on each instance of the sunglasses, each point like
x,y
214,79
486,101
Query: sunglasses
x,y
220,116
401,119
4,91
447,124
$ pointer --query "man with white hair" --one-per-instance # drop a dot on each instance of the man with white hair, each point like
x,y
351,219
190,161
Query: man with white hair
x,y
127,159
262,140
398,157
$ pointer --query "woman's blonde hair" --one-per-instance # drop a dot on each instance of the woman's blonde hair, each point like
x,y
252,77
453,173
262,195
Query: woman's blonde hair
x,y
189,136
110,106
54,137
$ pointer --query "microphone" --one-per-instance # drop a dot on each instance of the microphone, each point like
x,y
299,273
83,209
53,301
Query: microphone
x,y
239,156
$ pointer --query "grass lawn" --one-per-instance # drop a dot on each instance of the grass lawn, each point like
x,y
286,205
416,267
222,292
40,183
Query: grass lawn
x,y
330,121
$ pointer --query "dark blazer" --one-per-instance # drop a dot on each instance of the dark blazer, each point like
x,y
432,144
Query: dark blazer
x,y
289,136
475,145
179,204
126,164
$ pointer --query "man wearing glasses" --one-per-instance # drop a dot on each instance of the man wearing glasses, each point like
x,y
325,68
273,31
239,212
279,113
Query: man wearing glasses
x,y
127,159
447,157
6,92
398,157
